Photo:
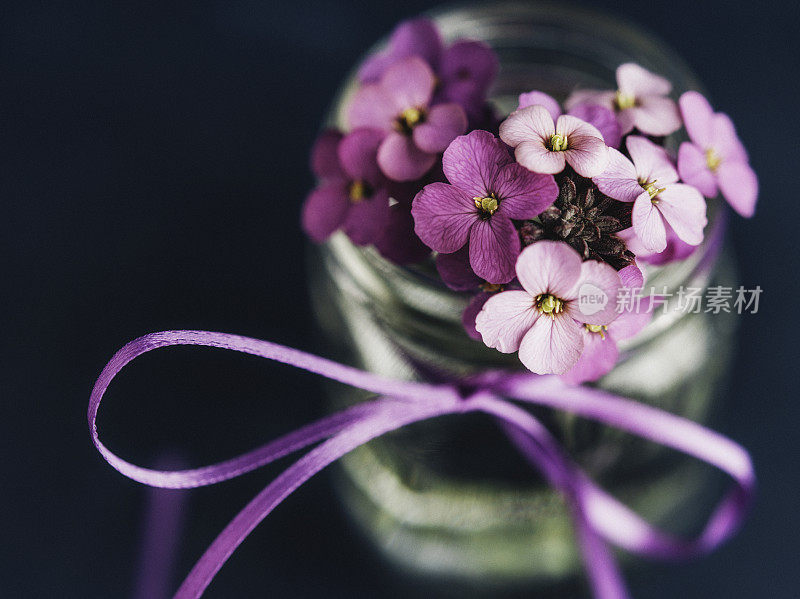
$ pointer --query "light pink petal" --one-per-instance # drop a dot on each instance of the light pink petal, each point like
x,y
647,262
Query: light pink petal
x,y
619,180
443,124
409,83
631,276
724,139
697,117
637,81
366,220
627,120
552,345
693,169
505,319
533,123
325,210
684,208
443,216
596,291
656,115
493,249
542,99
597,359
590,96
603,119
630,322
649,224
400,158
549,267
372,107
570,126
472,162
523,194
535,157
651,161
739,185
587,154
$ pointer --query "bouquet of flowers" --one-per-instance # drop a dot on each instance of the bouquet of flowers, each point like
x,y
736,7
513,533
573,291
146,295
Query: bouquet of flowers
x,y
546,215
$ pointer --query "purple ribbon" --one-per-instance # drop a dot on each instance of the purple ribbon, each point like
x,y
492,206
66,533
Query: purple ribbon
x,y
599,518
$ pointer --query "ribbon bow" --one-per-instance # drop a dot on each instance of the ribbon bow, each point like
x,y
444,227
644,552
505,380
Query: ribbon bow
x,y
599,518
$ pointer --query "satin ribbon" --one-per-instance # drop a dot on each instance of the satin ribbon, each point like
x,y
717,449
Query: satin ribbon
x,y
600,520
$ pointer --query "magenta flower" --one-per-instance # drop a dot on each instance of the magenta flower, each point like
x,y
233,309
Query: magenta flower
x,y
352,194
600,351
487,189
650,181
399,105
641,101
599,116
464,71
545,320
675,251
715,158
546,146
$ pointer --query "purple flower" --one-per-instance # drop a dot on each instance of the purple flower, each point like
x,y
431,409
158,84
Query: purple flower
x,y
487,189
544,146
594,114
650,181
715,158
641,101
352,194
464,71
399,105
545,320
675,251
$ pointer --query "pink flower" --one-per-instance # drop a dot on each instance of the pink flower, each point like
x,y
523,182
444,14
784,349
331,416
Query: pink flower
x,y
599,116
399,105
543,145
545,321
715,158
640,101
487,189
650,181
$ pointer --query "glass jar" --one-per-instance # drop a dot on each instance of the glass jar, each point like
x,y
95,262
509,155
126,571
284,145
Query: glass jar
x,y
451,497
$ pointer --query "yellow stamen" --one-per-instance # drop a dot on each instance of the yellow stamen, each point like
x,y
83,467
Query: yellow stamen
x,y
549,304
558,142
490,287
408,119
713,159
624,101
487,205
357,191
597,328
652,189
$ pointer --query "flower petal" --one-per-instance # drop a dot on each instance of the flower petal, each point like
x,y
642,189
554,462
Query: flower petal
x,y
631,277
693,169
739,185
417,37
371,107
619,180
684,208
455,271
590,96
637,81
534,98
649,224
400,158
470,313
656,115
598,357
630,322
471,62
724,139
493,248
532,123
409,83
535,157
366,220
472,162
552,345
651,161
596,293
523,194
443,216
325,210
443,124
358,154
587,154
324,157
603,119
504,320
697,117
549,267
399,243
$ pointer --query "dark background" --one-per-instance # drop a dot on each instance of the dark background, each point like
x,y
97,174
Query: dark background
x,y
153,160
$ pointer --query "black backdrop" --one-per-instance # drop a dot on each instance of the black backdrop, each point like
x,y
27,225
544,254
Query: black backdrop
x,y
153,161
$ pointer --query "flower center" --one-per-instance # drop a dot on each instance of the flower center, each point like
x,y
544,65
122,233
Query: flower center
x,y
558,142
713,159
487,205
490,287
651,188
597,328
549,304
359,191
408,119
624,101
